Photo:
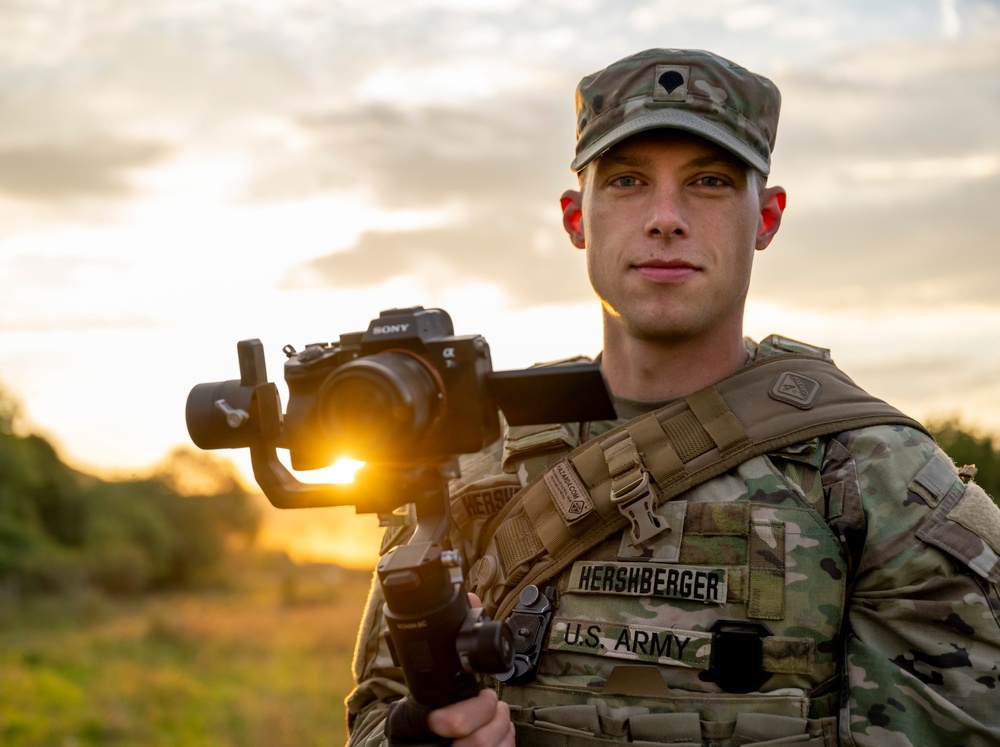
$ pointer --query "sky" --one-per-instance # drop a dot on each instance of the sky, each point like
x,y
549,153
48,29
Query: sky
x,y
178,175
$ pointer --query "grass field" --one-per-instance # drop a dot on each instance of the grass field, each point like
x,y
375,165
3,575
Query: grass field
x,y
260,659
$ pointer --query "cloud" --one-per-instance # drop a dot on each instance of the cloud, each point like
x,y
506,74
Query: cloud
x,y
933,250
58,173
76,324
927,384
513,150
503,168
893,169
325,99
464,254
902,99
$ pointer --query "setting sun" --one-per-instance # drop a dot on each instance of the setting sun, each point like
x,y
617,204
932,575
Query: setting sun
x,y
341,472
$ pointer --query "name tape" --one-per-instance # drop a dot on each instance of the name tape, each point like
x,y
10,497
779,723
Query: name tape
x,y
708,585
484,502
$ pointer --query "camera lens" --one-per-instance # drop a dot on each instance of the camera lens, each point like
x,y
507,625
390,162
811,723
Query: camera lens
x,y
378,405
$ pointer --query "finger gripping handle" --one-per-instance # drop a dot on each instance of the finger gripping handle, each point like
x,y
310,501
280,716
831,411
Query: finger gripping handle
x,y
407,725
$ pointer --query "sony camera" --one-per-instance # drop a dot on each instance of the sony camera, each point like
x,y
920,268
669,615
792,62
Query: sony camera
x,y
405,391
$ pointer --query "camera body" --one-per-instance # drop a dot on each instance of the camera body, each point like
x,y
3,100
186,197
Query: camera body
x,y
406,390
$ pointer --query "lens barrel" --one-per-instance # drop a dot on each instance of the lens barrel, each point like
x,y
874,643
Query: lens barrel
x,y
378,403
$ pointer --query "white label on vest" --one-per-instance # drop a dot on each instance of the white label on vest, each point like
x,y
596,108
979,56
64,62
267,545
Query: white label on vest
x,y
693,583
647,643
569,494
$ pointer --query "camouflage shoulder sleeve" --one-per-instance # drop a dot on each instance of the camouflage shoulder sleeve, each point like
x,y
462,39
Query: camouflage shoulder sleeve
x,y
922,639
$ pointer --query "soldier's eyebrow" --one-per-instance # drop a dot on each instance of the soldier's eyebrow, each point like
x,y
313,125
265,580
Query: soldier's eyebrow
x,y
635,161
628,161
717,159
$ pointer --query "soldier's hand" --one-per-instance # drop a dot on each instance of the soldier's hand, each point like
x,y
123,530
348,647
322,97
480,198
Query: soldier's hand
x,y
482,721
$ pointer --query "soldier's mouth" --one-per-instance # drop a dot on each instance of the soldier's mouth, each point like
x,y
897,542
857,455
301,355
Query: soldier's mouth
x,y
666,271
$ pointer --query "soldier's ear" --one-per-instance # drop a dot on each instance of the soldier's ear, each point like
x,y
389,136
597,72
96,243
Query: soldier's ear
x,y
772,206
571,202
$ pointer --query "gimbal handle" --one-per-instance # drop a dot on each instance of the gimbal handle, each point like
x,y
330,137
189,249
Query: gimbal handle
x,y
439,641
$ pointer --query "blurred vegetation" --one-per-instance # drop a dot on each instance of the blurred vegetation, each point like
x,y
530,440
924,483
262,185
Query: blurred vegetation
x,y
968,446
263,661
64,531
238,647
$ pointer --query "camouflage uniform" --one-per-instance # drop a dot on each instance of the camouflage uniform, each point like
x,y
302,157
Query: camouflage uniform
x,y
872,565
858,569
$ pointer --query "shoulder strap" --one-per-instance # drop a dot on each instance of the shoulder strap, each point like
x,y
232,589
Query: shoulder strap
x,y
614,480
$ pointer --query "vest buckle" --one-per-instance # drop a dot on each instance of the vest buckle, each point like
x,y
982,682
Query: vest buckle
x,y
738,655
636,502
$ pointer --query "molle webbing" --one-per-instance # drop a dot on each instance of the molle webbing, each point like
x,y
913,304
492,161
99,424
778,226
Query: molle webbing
x,y
586,726
769,404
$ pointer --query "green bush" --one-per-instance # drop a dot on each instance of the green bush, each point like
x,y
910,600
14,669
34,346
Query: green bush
x,y
967,446
31,562
61,530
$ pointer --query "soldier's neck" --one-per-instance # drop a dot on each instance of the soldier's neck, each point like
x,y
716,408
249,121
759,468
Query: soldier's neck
x,y
648,370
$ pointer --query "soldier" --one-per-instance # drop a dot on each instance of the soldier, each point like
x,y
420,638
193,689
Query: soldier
x,y
795,583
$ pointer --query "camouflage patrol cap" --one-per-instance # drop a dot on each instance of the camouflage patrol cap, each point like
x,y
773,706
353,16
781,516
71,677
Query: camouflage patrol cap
x,y
681,89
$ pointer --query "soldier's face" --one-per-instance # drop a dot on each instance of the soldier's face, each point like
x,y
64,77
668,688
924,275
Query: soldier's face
x,y
670,223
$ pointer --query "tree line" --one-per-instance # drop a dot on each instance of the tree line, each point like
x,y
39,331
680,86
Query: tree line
x,y
62,530
970,447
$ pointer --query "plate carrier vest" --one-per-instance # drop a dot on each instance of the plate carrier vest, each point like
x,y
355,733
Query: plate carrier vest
x,y
697,585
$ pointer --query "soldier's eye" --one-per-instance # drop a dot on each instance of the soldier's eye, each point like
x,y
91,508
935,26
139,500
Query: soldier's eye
x,y
712,181
625,181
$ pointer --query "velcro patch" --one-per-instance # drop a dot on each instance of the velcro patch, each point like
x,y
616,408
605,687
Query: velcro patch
x,y
966,525
646,643
569,494
796,389
670,82
693,583
934,480
718,519
978,512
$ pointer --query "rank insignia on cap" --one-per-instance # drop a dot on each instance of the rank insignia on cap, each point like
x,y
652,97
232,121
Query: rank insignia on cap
x,y
670,82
